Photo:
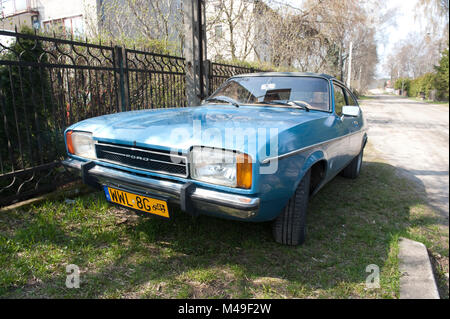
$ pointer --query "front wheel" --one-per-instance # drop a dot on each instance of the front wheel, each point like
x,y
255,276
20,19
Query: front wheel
x,y
290,226
354,168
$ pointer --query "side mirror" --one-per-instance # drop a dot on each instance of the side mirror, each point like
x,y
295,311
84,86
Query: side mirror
x,y
351,110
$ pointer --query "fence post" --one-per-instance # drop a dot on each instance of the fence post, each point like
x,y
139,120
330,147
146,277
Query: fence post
x,y
123,84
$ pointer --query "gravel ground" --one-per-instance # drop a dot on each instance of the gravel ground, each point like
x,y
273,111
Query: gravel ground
x,y
414,137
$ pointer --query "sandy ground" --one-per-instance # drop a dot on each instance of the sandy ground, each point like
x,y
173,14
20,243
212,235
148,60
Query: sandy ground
x,y
414,137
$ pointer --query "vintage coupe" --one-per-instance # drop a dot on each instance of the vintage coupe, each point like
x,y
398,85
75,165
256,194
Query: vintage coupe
x,y
256,150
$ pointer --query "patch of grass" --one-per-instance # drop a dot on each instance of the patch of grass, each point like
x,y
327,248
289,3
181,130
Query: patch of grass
x,y
352,224
366,97
440,269
417,99
443,103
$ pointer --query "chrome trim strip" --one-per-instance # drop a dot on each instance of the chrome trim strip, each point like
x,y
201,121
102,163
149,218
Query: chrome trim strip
x,y
140,150
267,160
151,160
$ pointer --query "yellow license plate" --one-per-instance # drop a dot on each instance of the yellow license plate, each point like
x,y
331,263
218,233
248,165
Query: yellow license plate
x,y
138,202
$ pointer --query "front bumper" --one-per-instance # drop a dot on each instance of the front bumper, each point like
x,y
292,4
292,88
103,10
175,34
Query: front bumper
x,y
191,198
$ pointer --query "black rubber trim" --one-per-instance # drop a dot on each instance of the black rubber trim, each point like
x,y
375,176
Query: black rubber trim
x,y
85,177
186,204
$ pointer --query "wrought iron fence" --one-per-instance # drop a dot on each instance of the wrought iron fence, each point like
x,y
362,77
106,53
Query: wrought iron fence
x,y
46,84
154,80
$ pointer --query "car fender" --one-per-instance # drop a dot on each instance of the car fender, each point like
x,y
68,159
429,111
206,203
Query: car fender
x,y
364,141
313,158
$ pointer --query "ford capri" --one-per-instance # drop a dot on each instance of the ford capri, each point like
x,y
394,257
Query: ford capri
x,y
256,150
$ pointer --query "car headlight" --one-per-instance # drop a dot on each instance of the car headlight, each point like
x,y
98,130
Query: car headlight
x,y
221,167
81,144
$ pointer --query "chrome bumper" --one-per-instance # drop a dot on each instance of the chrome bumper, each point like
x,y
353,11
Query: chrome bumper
x,y
191,198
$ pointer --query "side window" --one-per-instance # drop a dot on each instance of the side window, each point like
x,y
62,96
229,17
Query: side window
x,y
339,99
350,99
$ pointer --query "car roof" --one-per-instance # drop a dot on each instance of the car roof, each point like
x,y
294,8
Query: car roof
x,y
322,75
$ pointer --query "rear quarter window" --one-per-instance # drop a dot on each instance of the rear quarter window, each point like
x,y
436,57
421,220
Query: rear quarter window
x,y
339,99
350,99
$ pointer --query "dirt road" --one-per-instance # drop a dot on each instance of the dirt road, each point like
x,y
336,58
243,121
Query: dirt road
x,y
414,137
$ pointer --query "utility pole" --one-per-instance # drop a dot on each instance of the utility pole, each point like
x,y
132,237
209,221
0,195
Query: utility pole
x,y
359,78
349,75
194,50
403,81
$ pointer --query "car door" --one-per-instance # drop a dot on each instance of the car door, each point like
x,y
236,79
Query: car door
x,y
341,145
355,124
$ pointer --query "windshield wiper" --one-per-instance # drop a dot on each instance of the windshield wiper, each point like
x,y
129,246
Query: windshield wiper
x,y
299,104
223,99
288,103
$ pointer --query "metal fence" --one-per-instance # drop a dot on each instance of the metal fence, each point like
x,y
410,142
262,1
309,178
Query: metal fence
x,y
154,80
46,84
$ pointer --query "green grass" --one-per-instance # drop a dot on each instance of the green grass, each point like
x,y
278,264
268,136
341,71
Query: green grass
x,y
443,103
417,99
366,97
372,97
352,224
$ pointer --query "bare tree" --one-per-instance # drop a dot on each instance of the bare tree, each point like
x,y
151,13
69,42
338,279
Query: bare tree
x,y
436,13
142,22
312,37
294,38
232,27
317,36
414,56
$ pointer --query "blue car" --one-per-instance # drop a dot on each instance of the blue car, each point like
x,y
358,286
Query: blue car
x,y
256,150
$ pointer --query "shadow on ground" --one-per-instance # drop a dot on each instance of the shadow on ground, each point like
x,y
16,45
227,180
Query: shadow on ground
x,y
352,224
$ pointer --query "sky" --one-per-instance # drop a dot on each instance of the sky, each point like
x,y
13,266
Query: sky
x,y
404,23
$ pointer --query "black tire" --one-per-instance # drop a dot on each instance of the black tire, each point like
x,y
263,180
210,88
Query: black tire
x,y
290,226
354,168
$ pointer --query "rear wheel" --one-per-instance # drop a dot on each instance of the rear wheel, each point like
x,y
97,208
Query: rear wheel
x,y
354,168
290,226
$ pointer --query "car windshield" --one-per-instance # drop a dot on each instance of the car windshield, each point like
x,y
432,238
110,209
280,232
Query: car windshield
x,y
284,91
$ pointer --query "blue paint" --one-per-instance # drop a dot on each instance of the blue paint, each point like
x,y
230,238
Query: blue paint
x,y
297,129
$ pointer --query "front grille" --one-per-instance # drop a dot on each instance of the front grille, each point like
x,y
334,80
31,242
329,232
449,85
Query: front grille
x,y
145,159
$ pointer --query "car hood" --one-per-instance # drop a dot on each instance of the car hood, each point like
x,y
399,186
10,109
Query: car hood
x,y
222,126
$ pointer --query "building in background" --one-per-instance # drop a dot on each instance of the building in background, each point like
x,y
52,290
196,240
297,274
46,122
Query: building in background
x,y
112,20
234,27
17,13
69,17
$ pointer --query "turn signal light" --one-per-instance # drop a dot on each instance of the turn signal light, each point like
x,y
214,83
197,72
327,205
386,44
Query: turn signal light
x,y
244,171
69,142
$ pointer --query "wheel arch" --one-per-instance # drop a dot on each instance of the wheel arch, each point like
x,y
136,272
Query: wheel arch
x,y
318,164
364,140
